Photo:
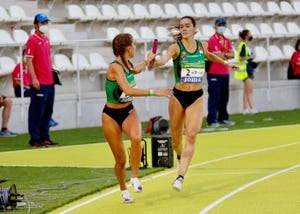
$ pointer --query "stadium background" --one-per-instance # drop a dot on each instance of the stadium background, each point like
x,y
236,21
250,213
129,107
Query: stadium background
x,y
82,30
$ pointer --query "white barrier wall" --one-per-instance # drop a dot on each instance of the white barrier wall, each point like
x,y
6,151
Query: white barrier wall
x,y
72,113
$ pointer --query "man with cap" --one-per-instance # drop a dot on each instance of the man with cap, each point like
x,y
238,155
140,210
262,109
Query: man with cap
x,y
218,77
39,64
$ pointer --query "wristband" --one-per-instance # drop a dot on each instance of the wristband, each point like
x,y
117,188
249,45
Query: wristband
x,y
225,62
151,93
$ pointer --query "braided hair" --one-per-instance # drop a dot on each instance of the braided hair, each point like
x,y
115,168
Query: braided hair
x,y
119,45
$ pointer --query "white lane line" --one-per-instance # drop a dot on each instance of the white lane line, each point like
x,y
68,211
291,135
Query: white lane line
x,y
217,202
172,171
89,201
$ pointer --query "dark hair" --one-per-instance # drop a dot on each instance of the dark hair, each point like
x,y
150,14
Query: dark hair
x,y
190,18
243,33
119,45
297,44
174,29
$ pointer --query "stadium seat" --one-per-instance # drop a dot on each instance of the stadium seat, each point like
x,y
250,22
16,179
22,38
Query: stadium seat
x,y
198,35
133,32
275,53
286,8
185,9
207,30
156,11
63,63
56,36
111,32
93,13
201,10
260,53
147,33
266,29
214,9
6,37
162,33
236,29
20,36
75,13
229,9
171,10
97,61
140,11
126,12
5,17
109,12
80,62
169,64
293,28
254,30
243,9
296,6
257,10
279,29
7,65
273,7
18,12
288,51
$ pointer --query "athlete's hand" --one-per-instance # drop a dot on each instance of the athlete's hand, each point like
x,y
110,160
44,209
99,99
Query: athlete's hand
x,y
163,92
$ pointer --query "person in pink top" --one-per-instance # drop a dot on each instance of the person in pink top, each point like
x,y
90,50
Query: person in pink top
x,y
295,60
218,77
39,65
16,79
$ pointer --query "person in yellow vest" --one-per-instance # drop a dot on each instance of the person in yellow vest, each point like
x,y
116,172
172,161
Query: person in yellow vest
x,y
246,70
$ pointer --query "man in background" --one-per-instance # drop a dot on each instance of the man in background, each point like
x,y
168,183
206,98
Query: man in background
x,y
39,65
218,77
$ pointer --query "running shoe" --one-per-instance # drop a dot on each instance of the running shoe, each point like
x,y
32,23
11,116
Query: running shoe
x,y
135,182
7,133
246,111
126,197
177,184
50,143
213,125
253,111
226,123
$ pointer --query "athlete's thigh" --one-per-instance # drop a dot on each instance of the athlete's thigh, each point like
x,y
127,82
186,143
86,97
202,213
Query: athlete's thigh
x,y
176,114
132,125
194,116
113,134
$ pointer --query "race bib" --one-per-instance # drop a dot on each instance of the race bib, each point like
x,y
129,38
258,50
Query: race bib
x,y
192,75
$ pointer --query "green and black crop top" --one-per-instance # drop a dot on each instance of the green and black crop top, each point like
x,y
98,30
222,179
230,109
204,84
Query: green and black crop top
x,y
189,67
114,93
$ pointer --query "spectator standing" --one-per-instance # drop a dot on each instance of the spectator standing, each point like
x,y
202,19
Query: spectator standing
x,y
246,70
6,103
119,113
295,60
39,64
186,104
16,80
218,77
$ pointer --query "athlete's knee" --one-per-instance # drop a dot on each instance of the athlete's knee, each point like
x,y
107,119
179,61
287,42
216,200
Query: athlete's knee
x,y
120,163
135,140
191,137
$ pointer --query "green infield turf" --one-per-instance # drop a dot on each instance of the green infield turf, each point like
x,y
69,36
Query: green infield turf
x,y
247,171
